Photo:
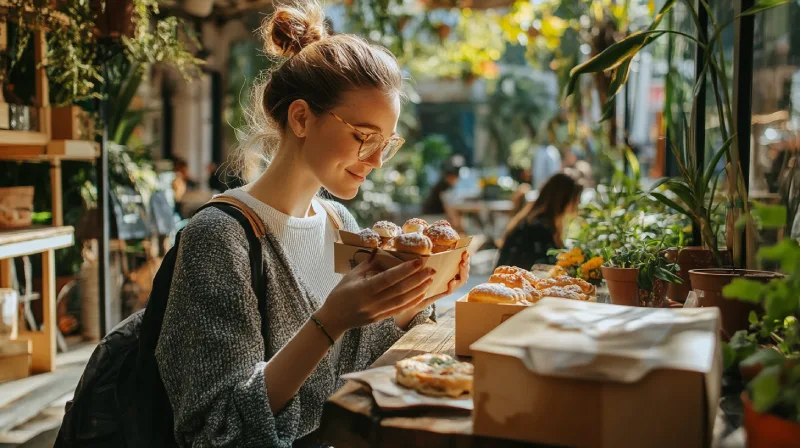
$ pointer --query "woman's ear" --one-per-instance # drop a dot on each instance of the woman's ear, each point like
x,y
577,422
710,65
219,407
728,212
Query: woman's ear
x,y
299,118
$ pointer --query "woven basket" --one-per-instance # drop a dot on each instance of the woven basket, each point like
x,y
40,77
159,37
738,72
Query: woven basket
x,y
16,207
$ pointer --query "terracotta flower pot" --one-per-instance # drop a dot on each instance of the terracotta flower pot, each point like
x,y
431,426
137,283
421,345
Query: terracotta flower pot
x,y
622,285
690,258
767,430
708,284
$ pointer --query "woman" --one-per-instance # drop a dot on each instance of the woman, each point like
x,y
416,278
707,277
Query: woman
x,y
334,105
540,225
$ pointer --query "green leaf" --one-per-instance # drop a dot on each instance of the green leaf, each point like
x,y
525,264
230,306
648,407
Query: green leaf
x,y
728,356
769,216
787,252
714,160
764,389
763,5
684,192
752,317
669,203
744,290
765,357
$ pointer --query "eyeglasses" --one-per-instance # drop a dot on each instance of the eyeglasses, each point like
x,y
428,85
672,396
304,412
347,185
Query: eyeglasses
x,y
374,142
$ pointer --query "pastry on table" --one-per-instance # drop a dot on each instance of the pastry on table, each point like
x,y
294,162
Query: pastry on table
x,y
415,225
437,375
386,230
564,280
441,222
528,275
564,292
443,238
412,243
517,281
498,293
369,239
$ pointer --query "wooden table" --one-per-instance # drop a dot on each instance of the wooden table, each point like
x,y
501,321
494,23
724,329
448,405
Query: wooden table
x,y
44,240
350,417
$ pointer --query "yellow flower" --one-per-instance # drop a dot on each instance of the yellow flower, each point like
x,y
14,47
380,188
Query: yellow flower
x,y
593,264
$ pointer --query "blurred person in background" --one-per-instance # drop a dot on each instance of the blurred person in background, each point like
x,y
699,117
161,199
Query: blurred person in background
x,y
540,225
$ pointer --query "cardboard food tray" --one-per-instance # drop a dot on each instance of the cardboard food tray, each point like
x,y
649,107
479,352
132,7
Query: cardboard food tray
x,y
391,396
348,254
476,319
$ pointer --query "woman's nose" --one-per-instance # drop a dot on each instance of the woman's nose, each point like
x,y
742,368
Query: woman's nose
x,y
374,159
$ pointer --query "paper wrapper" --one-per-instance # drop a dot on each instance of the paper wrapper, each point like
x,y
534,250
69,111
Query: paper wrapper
x,y
389,395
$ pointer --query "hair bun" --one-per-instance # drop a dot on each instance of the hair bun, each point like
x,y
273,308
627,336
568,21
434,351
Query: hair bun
x,y
291,29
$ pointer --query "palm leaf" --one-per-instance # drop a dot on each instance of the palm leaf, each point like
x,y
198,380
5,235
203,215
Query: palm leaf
x,y
670,203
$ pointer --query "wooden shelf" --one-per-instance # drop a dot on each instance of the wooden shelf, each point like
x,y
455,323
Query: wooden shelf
x,y
22,138
31,240
52,150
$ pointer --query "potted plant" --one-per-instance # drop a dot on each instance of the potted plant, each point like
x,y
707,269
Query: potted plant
x,y
768,354
638,275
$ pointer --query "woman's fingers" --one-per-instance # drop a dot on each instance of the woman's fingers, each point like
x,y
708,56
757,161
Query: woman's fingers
x,y
395,303
407,284
392,276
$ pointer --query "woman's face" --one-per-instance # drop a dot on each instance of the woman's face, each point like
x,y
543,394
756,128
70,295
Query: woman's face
x,y
331,147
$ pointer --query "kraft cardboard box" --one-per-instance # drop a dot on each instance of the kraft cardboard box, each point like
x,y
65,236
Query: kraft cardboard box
x,y
475,319
583,374
347,254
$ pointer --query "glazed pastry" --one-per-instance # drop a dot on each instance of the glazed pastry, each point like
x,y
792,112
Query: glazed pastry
x,y
436,375
517,281
527,275
369,238
564,292
564,280
441,222
413,243
443,238
386,230
497,293
415,225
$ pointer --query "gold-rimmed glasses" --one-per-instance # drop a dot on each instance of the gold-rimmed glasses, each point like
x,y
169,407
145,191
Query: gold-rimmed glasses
x,y
375,141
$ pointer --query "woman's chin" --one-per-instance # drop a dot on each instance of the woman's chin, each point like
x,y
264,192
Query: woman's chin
x,y
344,193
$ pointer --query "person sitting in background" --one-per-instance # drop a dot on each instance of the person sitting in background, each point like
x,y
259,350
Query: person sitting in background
x,y
538,228
433,204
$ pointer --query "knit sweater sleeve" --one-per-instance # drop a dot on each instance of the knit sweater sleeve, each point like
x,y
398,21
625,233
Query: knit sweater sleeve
x,y
211,351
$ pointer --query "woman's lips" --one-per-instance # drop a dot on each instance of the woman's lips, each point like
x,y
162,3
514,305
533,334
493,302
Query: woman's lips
x,y
356,176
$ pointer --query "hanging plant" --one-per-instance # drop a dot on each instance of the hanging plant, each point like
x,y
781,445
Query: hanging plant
x,y
80,31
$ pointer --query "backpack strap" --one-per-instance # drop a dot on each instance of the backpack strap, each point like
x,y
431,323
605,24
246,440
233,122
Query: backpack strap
x,y
336,220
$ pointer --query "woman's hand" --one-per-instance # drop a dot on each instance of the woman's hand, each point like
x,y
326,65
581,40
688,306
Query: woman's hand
x,y
363,296
402,319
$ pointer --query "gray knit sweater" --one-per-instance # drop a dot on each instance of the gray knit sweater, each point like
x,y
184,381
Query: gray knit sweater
x,y
210,352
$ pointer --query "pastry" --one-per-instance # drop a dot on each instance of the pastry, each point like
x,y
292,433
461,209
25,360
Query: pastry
x,y
415,225
564,280
369,238
443,238
386,230
527,275
564,292
441,222
497,293
413,243
517,281
435,374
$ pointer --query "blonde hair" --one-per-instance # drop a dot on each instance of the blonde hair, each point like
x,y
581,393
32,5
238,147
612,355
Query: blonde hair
x,y
315,66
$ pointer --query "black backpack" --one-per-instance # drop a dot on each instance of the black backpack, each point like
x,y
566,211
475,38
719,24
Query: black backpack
x,y
120,400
